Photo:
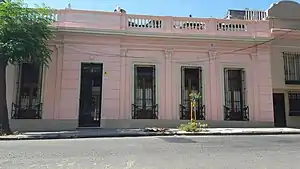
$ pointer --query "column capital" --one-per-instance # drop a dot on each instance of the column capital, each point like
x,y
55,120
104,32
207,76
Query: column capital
x,y
168,52
253,56
54,46
57,46
212,54
124,52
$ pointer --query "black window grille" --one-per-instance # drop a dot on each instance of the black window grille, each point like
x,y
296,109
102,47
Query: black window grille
x,y
28,102
191,81
291,67
294,103
144,106
235,107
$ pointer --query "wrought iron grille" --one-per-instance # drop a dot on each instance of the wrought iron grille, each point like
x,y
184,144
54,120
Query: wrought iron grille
x,y
228,114
144,106
294,104
96,103
291,67
186,113
33,111
235,95
29,88
191,81
90,95
92,115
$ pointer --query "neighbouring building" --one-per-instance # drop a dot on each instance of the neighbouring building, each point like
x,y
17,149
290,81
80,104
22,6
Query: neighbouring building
x,y
113,69
284,18
246,14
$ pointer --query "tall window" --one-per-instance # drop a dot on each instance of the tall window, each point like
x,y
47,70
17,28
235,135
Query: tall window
x,y
235,97
191,81
144,106
28,102
291,67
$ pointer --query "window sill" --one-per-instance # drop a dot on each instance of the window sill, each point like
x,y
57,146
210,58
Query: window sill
x,y
295,113
292,82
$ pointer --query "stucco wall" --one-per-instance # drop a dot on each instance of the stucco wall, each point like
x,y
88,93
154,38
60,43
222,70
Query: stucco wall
x,y
278,77
10,86
278,47
284,15
118,55
62,91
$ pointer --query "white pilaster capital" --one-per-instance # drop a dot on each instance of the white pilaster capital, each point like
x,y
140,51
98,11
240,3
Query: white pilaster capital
x,y
168,53
57,46
253,56
212,54
124,52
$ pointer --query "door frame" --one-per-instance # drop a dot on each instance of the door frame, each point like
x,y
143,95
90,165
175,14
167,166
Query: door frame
x,y
282,94
100,94
221,81
243,92
183,68
136,66
157,82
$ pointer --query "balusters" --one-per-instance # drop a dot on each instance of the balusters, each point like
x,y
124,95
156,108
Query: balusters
x,y
188,25
231,27
135,22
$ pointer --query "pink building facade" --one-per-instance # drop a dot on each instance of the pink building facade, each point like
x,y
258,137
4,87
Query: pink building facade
x,y
115,70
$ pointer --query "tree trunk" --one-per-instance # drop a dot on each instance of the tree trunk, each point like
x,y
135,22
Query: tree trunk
x,y
4,121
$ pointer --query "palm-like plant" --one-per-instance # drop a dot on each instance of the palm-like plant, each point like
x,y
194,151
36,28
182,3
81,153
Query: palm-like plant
x,y
194,97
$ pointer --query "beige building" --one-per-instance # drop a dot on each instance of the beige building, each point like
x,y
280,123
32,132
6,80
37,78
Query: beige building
x,y
284,18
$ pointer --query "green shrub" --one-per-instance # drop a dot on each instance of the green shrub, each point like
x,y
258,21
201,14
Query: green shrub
x,y
192,126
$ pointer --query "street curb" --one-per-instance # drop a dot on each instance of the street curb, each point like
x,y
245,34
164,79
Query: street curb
x,y
148,134
74,136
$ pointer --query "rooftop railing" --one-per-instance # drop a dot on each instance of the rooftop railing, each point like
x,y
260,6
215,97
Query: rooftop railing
x,y
99,20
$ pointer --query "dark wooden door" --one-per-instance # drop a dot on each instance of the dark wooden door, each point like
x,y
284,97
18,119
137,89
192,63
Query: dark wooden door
x,y
279,110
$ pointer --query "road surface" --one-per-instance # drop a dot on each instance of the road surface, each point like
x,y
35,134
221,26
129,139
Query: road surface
x,y
213,152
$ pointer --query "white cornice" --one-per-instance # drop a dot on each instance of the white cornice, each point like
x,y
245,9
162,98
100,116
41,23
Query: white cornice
x,y
162,35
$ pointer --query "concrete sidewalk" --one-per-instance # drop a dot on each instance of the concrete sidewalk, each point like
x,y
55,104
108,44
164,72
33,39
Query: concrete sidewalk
x,y
95,133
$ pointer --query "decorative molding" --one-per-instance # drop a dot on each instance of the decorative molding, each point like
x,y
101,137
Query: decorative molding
x,y
91,57
253,56
212,54
162,35
53,46
168,53
124,52
58,46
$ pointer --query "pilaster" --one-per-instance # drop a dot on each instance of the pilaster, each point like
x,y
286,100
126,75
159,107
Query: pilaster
x,y
124,114
213,111
58,81
169,113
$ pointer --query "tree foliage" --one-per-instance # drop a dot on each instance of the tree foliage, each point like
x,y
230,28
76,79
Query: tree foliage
x,y
24,33
24,36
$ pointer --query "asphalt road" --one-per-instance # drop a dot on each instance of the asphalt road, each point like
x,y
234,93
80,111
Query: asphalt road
x,y
217,152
